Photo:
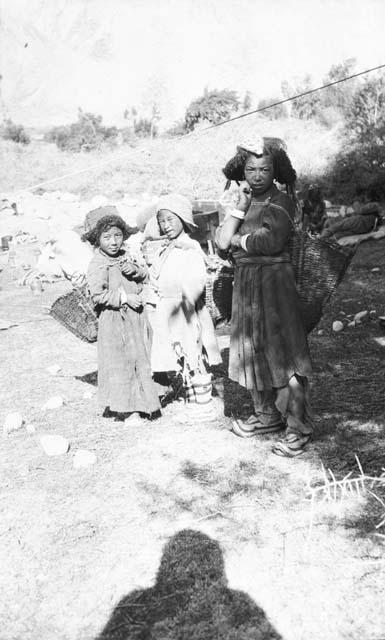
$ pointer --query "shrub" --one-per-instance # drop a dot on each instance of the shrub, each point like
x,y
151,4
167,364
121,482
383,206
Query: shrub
x,y
86,134
15,132
214,106
144,128
359,168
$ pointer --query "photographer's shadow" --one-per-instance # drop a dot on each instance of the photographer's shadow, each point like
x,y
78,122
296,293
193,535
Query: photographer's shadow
x,y
189,601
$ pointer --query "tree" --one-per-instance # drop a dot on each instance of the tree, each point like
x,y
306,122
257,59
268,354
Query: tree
x,y
305,107
213,107
14,132
340,95
273,113
86,134
366,114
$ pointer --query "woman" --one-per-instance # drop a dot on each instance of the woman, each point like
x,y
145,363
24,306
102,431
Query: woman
x,y
269,354
178,279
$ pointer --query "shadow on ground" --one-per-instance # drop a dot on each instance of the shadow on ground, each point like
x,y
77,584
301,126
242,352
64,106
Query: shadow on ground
x,y
190,599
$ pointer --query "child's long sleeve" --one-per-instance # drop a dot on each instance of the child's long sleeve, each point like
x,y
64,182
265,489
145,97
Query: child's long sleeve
x,y
97,279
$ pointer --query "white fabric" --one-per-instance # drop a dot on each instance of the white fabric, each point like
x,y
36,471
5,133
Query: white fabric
x,y
178,277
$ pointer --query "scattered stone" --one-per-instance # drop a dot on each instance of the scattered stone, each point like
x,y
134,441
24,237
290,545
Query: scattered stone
x,y
360,316
83,458
54,445
13,422
376,270
373,313
320,332
337,326
54,403
352,324
30,428
53,370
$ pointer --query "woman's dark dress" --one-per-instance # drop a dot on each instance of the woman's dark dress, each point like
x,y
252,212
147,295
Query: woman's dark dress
x,y
268,339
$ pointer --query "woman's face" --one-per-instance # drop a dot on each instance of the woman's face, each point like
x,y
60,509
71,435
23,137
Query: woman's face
x,y
259,173
170,225
111,241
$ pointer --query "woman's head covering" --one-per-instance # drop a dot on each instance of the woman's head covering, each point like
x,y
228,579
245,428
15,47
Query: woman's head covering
x,y
179,205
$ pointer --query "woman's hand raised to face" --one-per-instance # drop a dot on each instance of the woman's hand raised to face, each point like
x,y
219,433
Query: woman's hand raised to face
x,y
244,196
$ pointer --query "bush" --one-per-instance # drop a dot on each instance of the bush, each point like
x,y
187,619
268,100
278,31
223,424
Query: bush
x,y
144,128
15,132
86,134
214,106
178,129
358,169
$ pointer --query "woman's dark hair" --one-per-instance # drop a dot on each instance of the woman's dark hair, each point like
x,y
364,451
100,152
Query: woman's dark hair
x,y
284,172
104,224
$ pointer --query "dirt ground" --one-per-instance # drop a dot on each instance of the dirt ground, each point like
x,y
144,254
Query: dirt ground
x,y
75,541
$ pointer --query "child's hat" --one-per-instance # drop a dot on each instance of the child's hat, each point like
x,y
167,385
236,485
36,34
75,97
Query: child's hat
x,y
179,205
92,218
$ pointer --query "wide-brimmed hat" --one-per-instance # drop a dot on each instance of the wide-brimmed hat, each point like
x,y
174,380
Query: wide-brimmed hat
x,y
179,205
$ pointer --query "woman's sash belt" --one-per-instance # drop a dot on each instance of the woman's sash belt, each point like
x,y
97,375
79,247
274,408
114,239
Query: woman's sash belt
x,y
243,260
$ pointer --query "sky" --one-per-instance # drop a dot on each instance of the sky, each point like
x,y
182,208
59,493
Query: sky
x,y
107,55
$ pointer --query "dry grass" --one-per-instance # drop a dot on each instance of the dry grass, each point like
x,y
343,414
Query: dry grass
x,y
191,165
75,541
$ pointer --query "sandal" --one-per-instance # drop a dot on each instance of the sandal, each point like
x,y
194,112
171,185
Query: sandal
x,y
292,446
240,429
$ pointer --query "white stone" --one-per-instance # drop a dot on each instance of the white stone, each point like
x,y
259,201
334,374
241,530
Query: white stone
x,y
360,316
54,403
12,422
54,445
83,458
30,428
337,326
53,370
352,324
320,332
87,395
376,269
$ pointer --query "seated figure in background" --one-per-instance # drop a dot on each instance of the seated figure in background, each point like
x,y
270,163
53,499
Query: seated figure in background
x,y
367,220
314,210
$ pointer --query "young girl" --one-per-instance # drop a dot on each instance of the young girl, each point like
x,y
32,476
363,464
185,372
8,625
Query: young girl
x,y
178,277
115,282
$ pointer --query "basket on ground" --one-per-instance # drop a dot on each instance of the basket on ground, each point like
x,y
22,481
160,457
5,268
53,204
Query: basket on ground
x,y
75,311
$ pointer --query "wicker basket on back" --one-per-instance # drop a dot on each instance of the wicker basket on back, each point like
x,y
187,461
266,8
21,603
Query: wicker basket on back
x,y
319,266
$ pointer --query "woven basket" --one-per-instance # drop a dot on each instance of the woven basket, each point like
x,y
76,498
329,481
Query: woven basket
x,y
319,266
75,312
219,293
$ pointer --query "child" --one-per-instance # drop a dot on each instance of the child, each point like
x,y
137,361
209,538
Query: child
x,y
115,283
